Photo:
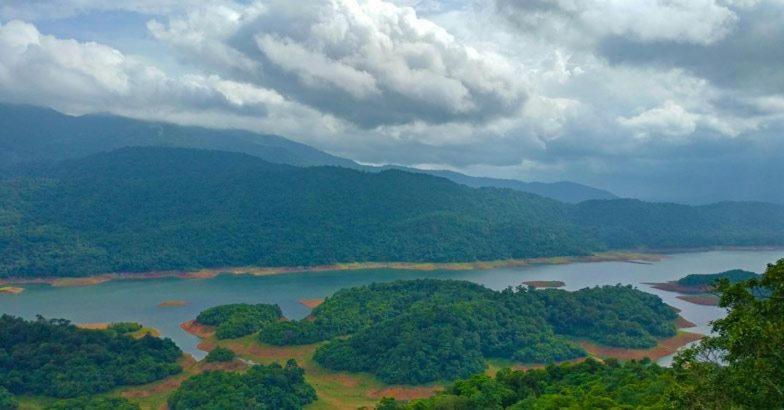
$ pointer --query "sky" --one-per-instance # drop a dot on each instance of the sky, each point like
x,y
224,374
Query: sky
x,y
677,100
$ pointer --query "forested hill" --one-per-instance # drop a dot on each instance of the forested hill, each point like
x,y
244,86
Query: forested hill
x,y
140,209
629,223
34,135
564,191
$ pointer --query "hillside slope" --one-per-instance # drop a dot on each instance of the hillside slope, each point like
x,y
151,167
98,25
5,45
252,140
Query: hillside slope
x,y
564,191
40,135
34,135
165,208
140,209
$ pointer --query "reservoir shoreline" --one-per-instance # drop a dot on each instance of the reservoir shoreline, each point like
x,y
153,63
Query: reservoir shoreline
x,y
645,256
209,273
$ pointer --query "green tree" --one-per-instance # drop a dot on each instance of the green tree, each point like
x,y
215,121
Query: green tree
x,y
742,366
220,354
7,400
260,388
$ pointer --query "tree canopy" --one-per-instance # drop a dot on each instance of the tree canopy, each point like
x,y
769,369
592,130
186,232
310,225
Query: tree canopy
x,y
420,331
262,387
733,276
739,367
237,320
220,354
7,400
153,208
55,358
586,385
742,364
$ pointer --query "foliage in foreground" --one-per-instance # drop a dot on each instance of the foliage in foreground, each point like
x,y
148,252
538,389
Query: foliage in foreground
x,y
742,366
7,400
425,330
237,320
54,358
588,385
261,387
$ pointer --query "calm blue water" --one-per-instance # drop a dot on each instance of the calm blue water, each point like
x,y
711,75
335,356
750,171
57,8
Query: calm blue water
x,y
138,300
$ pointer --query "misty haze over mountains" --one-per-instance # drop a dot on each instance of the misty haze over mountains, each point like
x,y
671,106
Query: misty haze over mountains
x,y
51,136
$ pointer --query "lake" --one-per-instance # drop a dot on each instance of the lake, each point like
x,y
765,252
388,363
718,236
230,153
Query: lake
x,y
138,300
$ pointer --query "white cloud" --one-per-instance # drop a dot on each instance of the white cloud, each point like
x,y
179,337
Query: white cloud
x,y
383,63
89,77
670,119
52,9
313,68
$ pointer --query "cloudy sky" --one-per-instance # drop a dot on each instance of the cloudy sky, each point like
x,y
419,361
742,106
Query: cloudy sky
x,y
658,99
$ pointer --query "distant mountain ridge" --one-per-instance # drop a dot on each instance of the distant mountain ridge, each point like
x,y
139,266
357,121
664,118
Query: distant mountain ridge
x,y
156,208
34,135
564,191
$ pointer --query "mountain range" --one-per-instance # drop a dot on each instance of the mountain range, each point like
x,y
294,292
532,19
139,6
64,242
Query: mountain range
x,y
162,208
35,135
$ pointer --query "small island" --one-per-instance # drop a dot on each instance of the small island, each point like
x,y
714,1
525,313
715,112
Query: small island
x,y
311,303
173,303
543,284
699,288
10,290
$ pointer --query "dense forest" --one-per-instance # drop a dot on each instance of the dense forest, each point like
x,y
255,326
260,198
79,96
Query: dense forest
x,y
237,320
54,358
259,388
425,330
142,209
587,385
739,367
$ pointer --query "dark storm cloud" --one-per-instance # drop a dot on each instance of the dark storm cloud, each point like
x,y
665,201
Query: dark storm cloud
x,y
750,59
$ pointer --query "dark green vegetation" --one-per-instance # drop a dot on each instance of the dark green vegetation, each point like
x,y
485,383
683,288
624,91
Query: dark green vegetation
x,y
93,403
611,315
708,280
7,400
425,330
156,208
742,366
240,319
55,358
627,224
261,387
587,385
144,209
220,354
123,328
